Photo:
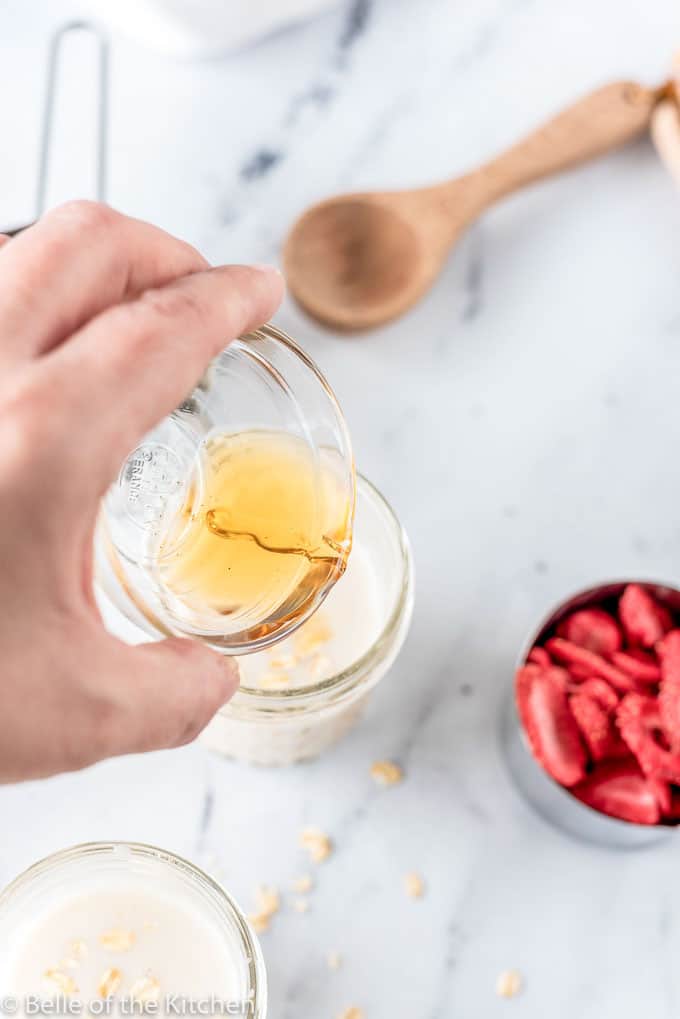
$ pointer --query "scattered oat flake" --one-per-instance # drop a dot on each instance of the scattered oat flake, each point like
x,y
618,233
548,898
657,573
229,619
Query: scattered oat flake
x,y
146,989
268,900
509,984
334,960
352,1013
62,981
386,773
109,983
78,950
117,940
150,925
317,844
415,886
303,884
260,922
313,635
301,905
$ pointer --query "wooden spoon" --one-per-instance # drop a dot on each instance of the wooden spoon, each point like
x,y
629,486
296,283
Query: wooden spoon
x,y
358,260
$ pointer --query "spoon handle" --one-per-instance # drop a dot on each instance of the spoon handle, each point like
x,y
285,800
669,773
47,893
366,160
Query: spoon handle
x,y
602,120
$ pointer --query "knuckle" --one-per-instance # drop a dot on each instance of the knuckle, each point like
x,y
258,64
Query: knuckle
x,y
172,303
86,216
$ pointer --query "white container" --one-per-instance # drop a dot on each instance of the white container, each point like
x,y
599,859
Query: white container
x,y
203,27
129,919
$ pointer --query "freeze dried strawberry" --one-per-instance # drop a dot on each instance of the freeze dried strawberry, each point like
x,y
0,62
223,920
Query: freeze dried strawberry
x,y
549,724
643,619
663,793
540,656
595,725
669,694
601,691
639,721
620,790
571,654
579,672
593,629
640,665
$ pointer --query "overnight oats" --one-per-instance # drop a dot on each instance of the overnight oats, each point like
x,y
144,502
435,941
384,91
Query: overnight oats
x,y
116,929
298,698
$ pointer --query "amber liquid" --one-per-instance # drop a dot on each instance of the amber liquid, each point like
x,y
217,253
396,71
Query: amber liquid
x,y
262,537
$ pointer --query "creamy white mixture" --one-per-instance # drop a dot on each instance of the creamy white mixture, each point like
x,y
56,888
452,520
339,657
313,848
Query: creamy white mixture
x,y
337,635
126,938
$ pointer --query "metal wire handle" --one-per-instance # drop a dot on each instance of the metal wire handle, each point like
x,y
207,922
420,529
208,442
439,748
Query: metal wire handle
x,y
53,65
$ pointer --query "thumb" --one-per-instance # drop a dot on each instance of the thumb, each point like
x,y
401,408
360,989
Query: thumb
x,y
168,692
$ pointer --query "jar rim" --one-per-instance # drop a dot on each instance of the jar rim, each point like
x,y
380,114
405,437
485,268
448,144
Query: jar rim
x,y
347,679
257,980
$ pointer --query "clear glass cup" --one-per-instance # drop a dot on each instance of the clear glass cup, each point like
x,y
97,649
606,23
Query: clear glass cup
x,y
261,389
280,727
53,881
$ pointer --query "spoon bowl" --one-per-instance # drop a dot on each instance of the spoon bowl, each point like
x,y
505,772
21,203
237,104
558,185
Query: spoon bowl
x,y
357,261
353,262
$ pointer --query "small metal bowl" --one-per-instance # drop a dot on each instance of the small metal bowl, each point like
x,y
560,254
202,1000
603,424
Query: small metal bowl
x,y
551,800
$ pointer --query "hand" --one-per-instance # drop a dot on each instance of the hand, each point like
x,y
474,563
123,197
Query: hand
x,y
106,323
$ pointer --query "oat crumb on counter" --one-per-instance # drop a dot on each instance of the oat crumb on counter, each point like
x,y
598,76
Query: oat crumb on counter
x,y
352,1013
509,984
414,885
301,905
317,844
268,903
334,960
302,884
386,773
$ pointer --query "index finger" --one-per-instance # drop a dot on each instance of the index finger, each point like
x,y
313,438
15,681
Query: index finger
x,y
79,259
135,363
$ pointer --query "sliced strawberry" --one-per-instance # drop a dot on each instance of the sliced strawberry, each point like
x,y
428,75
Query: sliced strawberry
x,y
601,691
572,654
639,721
595,725
593,629
579,672
639,666
663,793
620,790
644,621
549,724
668,651
540,656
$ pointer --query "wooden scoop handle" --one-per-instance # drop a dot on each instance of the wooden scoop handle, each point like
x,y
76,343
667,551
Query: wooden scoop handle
x,y
602,120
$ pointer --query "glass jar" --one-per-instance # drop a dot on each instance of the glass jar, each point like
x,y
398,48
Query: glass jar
x,y
101,868
232,519
282,726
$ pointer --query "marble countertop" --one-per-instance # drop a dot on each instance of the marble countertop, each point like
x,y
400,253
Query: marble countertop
x,y
524,422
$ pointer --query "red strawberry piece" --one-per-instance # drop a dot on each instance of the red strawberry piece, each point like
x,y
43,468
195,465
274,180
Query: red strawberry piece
x,y
549,724
673,813
595,725
663,793
540,656
620,790
644,621
571,654
669,696
579,672
639,721
644,669
601,691
593,629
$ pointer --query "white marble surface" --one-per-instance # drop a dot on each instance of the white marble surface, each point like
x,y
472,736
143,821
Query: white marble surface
x,y
523,420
